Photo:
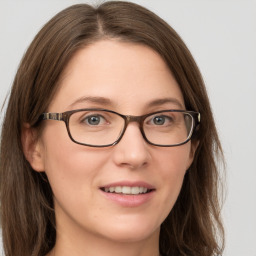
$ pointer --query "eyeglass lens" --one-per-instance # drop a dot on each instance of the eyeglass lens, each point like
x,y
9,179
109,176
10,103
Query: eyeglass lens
x,y
101,128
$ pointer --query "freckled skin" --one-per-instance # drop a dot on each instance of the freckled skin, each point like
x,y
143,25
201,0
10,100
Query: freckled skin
x,y
130,76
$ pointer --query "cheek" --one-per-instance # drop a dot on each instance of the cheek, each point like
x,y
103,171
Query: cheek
x,y
70,168
174,161
172,165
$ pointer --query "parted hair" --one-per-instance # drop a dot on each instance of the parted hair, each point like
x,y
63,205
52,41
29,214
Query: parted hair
x,y
193,227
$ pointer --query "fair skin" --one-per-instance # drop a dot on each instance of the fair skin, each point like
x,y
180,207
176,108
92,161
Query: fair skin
x,y
129,77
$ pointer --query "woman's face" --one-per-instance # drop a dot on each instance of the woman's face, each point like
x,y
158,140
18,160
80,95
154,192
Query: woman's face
x,y
130,79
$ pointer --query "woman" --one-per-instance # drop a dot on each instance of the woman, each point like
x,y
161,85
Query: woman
x,y
108,143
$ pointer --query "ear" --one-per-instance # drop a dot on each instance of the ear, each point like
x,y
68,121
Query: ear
x,y
32,148
193,148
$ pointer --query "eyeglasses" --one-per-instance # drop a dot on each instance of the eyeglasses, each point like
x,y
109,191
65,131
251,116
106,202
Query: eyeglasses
x,y
103,128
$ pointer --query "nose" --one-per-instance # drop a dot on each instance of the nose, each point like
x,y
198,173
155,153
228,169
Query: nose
x,y
132,151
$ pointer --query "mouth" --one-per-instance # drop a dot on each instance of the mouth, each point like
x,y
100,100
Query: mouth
x,y
126,190
129,193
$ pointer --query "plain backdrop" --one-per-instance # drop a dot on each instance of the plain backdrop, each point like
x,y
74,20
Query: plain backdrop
x,y
221,35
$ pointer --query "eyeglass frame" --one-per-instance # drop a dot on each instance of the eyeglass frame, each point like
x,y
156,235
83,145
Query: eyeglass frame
x,y
65,116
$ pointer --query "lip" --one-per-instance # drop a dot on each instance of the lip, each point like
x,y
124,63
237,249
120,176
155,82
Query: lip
x,y
129,184
129,200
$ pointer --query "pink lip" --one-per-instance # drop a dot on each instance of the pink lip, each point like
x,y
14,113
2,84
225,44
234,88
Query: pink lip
x,y
129,200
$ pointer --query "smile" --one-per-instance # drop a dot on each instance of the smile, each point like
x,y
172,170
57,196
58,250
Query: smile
x,y
129,193
126,190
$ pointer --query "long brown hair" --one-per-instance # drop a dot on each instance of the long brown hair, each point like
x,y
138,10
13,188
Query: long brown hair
x,y
193,227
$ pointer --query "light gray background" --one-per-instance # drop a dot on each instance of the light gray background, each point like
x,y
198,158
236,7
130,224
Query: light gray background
x,y
221,35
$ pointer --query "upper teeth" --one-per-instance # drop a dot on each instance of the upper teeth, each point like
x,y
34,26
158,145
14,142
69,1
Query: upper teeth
x,y
126,190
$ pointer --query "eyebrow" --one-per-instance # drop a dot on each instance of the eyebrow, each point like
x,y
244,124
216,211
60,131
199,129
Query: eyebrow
x,y
92,99
159,102
107,102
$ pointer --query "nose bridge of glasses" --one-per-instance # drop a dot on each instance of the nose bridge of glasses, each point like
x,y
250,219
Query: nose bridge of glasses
x,y
135,119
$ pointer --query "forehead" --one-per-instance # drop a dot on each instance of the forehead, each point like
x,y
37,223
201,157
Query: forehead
x,y
129,76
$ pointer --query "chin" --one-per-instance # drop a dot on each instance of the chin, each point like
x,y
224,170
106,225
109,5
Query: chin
x,y
128,232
